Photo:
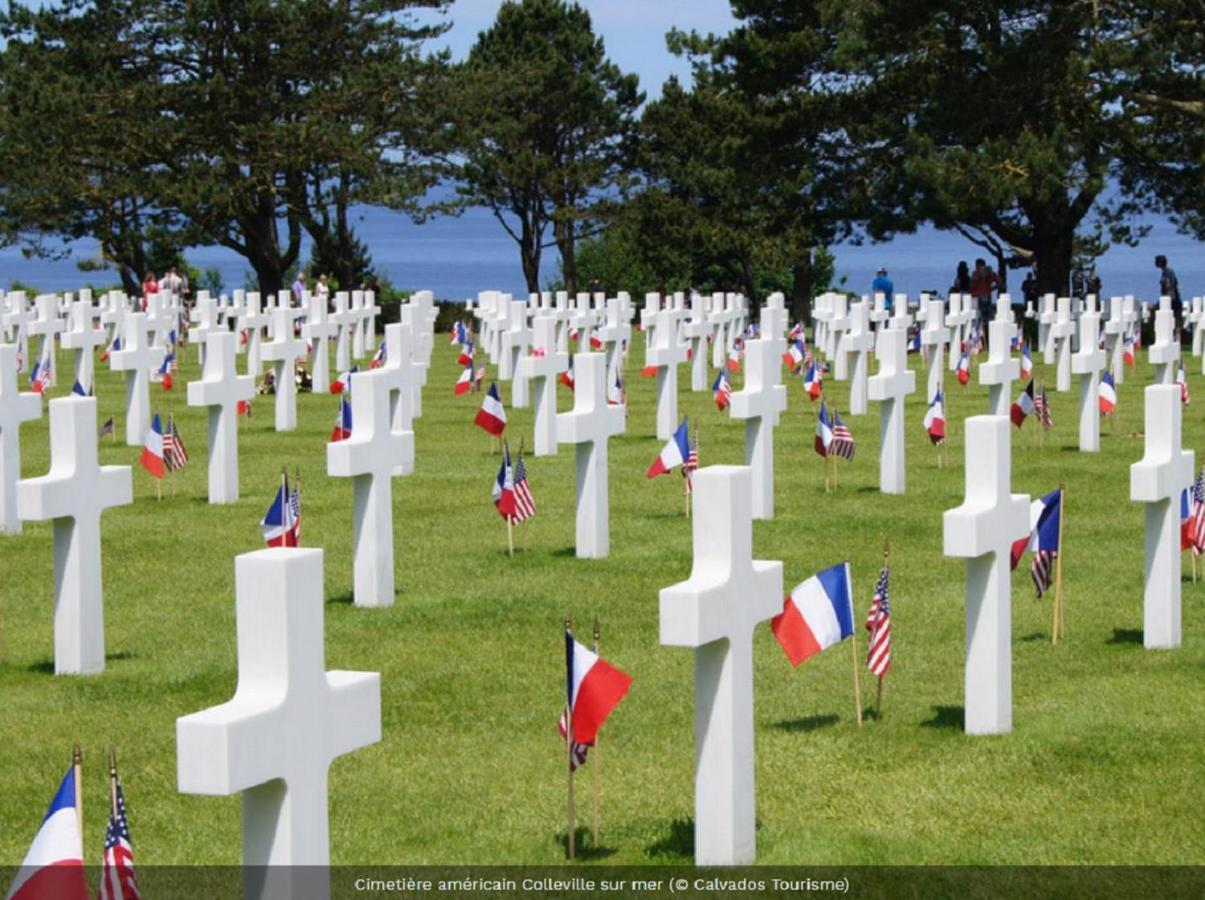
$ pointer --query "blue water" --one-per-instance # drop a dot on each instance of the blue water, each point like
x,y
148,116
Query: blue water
x,y
457,257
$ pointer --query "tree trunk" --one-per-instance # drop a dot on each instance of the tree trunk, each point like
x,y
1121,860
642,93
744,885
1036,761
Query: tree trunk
x,y
801,289
1052,256
566,242
529,254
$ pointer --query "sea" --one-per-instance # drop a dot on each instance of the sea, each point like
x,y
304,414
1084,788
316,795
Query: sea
x,y
458,256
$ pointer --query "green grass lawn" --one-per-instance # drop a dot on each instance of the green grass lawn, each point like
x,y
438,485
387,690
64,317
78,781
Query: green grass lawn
x,y
1102,766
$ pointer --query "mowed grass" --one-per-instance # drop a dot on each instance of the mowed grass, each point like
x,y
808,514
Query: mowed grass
x,y
1102,766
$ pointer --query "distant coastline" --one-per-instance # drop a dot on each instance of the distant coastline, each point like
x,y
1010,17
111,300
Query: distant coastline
x,y
457,257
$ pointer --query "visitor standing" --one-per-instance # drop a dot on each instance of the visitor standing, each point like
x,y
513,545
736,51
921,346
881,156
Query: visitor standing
x,y
962,279
883,285
984,281
1169,285
299,289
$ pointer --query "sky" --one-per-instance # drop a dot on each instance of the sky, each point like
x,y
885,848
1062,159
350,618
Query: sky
x,y
633,31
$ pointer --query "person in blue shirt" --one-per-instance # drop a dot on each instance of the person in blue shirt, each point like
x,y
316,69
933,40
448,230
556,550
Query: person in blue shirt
x,y
883,285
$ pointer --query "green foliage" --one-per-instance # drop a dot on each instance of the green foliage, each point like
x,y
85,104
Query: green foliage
x,y
543,125
1102,767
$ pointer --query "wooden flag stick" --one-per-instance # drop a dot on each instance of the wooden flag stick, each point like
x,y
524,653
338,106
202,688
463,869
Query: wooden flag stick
x,y
113,780
1057,627
569,756
597,788
77,763
853,648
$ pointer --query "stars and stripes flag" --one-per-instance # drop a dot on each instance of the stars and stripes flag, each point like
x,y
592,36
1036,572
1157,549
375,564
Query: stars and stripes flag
x,y
525,504
1041,407
616,395
935,419
878,623
1197,516
1043,539
691,464
843,441
117,881
107,428
175,455
1182,381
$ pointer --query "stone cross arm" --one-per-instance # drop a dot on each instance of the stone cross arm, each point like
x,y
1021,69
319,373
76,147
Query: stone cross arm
x,y
991,517
1165,469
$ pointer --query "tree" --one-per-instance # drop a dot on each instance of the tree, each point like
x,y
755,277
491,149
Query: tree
x,y
543,129
756,154
220,121
988,117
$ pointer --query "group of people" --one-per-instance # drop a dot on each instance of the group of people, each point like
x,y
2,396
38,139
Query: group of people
x,y
983,282
175,282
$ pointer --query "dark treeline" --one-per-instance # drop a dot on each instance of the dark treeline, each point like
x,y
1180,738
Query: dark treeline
x,y
157,125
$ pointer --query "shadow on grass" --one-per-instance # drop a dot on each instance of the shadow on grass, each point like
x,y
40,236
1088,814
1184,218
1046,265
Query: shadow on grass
x,y
1126,636
946,717
679,843
808,723
1035,636
46,666
565,551
583,845
346,599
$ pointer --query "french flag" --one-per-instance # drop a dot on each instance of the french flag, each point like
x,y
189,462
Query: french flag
x,y
504,487
817,614
964,368
813,383
1044,515
794,357
378,358
1127,351
115,345
567,377
824,432
466,354
54,866
459,335
1187,529
722,391
280,526
648,371
1026,362
491,417
734,358
935,418
1023,408
342,429
152,449
465,382
595,688
1107,396
673,454
595,342
340,384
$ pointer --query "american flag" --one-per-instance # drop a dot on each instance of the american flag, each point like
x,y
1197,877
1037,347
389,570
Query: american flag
x,y
295,508
691,464
525,504
117,880
107,428
577,751
1041,570
843,441
878,623
1041,406
175,456
1198,515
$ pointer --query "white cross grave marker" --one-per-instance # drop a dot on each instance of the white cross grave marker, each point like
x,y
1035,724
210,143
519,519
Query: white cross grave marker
x,y
83,338
666,354
935,336
1061,333
760,403
137,359
515,341
715,612
398,374
1000,370
982,530
590,424
541,370
890,386
252,321
1165,352
838,324
283,351
1157,481
318,329
220,388
1087,364
289,719
369,457
15,408
17,320
616,334
1115,328
73,494
859,341
345,320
